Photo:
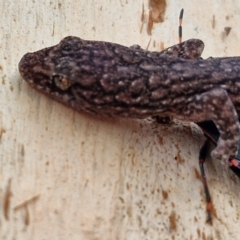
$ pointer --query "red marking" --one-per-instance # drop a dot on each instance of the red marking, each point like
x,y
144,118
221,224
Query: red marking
x,y
235,163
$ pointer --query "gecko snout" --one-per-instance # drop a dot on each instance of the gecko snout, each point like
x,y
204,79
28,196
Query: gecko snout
x,y
33,67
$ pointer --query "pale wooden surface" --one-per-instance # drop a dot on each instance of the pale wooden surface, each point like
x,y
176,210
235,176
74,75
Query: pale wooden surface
x,y
66,175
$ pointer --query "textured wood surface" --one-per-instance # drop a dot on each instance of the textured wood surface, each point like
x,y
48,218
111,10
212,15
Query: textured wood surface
x,y
66,175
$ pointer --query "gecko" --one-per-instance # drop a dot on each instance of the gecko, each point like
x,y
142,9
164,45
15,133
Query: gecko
x,y
110,79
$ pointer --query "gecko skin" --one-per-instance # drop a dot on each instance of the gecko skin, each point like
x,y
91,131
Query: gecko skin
x,y
111,79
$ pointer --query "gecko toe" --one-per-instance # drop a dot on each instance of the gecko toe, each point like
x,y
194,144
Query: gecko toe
x,y
224,151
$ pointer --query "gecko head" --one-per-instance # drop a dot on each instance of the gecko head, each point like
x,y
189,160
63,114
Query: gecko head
x,y
46,70
61,71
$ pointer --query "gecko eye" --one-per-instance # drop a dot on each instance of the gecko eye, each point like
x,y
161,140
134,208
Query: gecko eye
x,y
61,82
67,47
71,44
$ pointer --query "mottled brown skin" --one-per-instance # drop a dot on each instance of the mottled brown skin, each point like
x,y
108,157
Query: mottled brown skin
x,y
114,80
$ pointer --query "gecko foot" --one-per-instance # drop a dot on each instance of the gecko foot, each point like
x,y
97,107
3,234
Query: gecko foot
x,y
217,106
225,150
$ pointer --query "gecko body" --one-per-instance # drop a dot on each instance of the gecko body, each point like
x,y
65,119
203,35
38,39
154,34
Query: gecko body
x,y
111,79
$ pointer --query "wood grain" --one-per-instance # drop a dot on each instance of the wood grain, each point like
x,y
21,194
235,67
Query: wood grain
x,y
66,175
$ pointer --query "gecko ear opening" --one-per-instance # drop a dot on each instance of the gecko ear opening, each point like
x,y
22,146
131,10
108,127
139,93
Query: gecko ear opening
x,y
61,82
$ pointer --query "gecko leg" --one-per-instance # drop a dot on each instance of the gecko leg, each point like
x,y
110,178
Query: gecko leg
x,y
190,49
216,105
202,159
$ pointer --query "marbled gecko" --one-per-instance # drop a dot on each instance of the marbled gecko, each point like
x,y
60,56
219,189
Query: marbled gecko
x,y
111,79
